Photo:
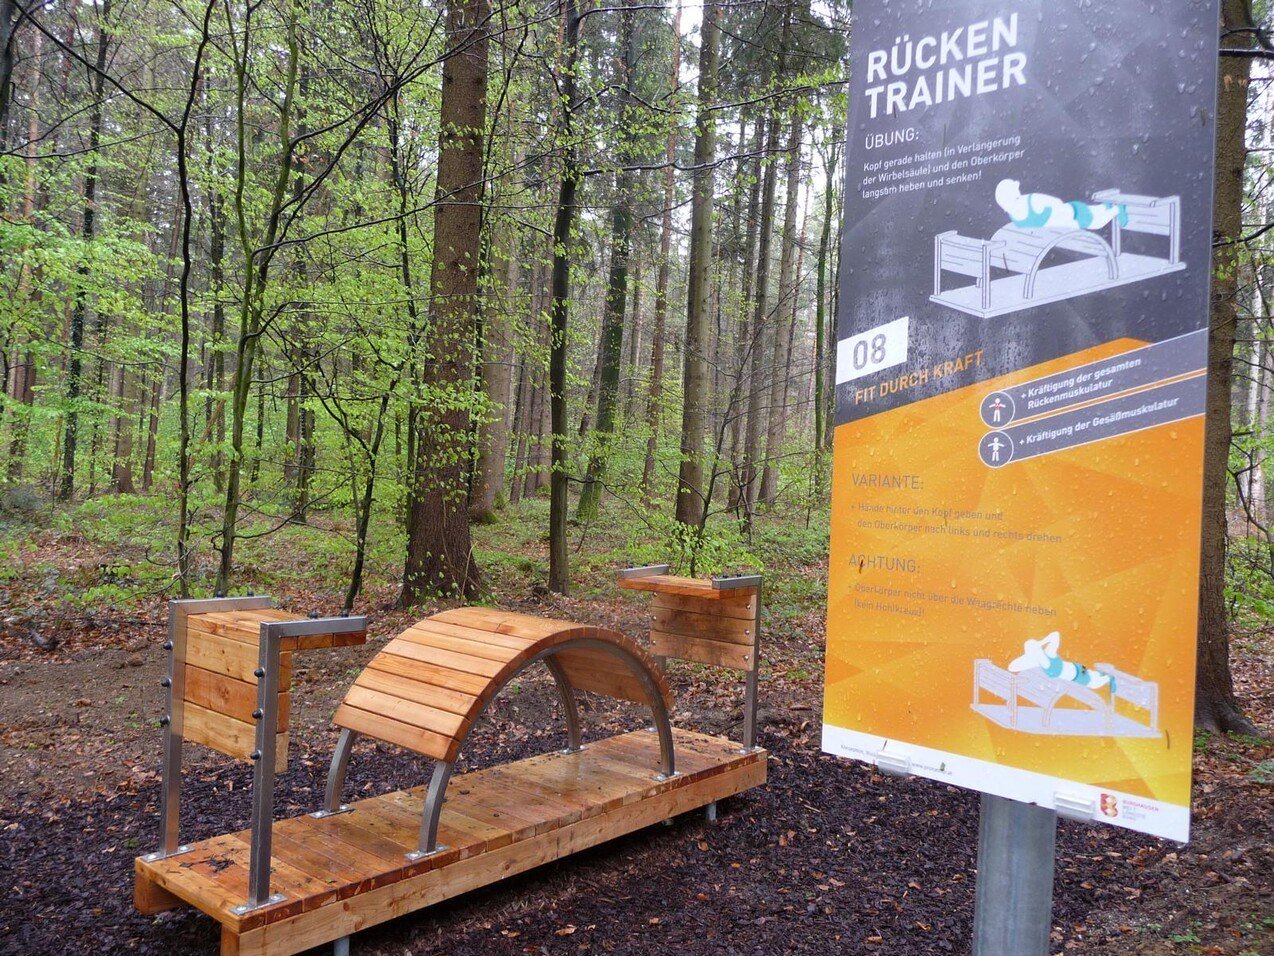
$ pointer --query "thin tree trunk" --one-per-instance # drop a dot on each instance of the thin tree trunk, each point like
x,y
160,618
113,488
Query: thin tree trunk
x,y
691,491
611,344
654,391
1216,707
781,371
760,333
75,363
559,559
497,374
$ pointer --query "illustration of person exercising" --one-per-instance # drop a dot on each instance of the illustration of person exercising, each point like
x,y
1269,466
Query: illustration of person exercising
x,y
1037,210
1042,654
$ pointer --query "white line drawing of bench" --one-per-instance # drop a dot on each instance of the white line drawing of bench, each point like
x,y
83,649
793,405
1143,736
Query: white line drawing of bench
x,y
1029,702
1099,262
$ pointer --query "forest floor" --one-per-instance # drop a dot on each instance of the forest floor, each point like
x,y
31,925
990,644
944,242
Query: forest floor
x,y
827,857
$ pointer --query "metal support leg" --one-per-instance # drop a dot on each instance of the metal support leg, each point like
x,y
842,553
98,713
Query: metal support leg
x,y
429,844
267,717
336,776
1014,908
570,707
170,802
710,812
340,947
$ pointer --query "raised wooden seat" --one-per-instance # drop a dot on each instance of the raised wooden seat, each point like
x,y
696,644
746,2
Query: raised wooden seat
x,y
427,687
431,683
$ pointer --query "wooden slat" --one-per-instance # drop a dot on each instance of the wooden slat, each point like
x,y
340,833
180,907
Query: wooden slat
x,y
242,626
433,655
426,742
506,622
225,695
234,738
425,672
712,627
741,605
701,650
460,645
483,634
224,655
685,587
441,722
245,627
431,695
303,931
601,673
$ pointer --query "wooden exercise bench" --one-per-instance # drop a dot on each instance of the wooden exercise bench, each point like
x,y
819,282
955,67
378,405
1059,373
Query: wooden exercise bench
x,y
349,866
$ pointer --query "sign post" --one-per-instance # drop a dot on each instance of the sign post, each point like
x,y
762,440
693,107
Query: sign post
x,y
1021,382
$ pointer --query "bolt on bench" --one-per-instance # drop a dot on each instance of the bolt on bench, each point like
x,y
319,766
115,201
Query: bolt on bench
x,y
286,886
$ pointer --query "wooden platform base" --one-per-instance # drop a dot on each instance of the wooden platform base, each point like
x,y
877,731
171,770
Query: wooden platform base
x,y
344,873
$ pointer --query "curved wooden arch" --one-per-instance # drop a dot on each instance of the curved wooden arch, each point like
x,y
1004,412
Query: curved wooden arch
x,y
431,684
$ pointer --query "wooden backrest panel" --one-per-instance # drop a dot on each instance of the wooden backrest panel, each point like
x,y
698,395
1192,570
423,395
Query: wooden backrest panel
x,y
600,672
720,632
219,691
428,686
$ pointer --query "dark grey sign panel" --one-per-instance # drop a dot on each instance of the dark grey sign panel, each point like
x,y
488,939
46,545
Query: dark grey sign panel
x,y
1025,181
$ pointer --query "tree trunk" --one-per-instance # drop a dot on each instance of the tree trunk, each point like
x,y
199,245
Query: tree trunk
x,y
696,381
761,330
781,371
75,363
497,375
744,334
654,392
439,548
824,337
1216,707
611,344
559,559
8,20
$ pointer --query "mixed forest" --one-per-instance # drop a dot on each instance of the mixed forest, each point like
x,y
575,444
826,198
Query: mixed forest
x,y
376,306
398,272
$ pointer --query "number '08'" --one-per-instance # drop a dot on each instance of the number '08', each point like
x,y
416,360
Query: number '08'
x,y
866,353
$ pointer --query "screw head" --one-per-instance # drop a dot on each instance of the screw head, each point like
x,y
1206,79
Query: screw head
x,y
165,721
258,713
166,682
255,755
168,645
259,672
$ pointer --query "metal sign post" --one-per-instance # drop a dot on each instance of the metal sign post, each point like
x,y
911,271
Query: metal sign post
x,y
1014,908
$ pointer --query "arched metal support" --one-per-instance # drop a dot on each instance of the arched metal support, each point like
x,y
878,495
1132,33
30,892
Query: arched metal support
x,y
1088,242
336,776
570,707
434,798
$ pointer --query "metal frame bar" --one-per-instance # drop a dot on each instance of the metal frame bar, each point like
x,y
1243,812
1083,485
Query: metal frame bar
x,y
751,684
1014,899
649,571
273,633
432,812
175,681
